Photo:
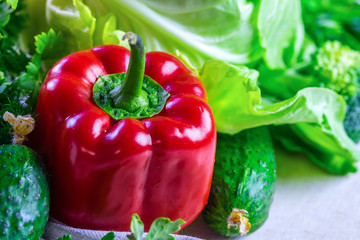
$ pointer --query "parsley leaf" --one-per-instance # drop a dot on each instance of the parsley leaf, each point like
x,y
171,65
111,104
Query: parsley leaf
x,y
49,45
137,228
160,229
12,59
21,79
12,3
5,12
109,236
65,237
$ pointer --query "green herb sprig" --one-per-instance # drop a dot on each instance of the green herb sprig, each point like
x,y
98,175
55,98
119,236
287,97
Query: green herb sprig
x,y
160,229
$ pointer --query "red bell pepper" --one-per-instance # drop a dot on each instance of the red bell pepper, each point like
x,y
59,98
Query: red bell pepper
x,y
104,170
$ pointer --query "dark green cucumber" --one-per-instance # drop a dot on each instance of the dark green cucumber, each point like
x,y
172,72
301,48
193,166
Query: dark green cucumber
x,y
243,182
24,194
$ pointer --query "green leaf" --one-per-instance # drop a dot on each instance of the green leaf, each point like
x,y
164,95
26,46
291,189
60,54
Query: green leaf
x,y
32,68
109,236
287,17
75,20
106,32
3,82
316,114
12,58
65,237
326,20
161,229
18,21
235,31
292,138
131,237
333,66
5,13
12,3
49,45
137,228
232,94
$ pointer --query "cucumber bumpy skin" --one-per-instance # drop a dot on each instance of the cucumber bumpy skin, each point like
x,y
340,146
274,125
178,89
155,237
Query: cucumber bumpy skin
x,y
24,194
243,182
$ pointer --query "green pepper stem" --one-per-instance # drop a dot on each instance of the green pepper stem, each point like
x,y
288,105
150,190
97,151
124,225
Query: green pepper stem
x,y
130,96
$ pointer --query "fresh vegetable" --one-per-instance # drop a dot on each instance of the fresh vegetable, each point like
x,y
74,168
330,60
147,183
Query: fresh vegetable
x,y
155,166
330,57
240,32
24,192
264,35
316,114
332,20
352,118
336,68
12,3
243,182
333,65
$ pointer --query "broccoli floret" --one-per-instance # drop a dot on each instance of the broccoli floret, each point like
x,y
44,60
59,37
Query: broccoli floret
x,y
352,118
336,67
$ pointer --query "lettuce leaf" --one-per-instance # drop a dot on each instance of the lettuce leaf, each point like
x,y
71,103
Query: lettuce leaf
x,y
236,31
316,115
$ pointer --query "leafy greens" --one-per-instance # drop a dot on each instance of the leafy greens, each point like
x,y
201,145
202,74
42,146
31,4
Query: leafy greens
x,y
332,20
236,31
21,74
221,40
315,114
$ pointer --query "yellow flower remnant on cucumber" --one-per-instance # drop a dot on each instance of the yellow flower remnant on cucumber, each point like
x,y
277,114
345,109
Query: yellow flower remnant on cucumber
x,y
238,218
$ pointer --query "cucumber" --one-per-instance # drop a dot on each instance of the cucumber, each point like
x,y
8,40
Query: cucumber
x,y
24,194
243,182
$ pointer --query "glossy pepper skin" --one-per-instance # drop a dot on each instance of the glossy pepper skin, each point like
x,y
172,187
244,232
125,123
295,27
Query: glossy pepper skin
x,y
103,171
